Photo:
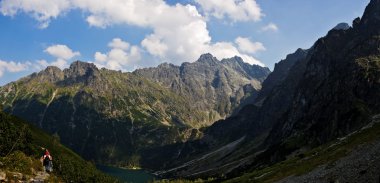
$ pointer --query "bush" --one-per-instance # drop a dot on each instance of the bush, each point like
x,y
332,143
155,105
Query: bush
x,y
17,162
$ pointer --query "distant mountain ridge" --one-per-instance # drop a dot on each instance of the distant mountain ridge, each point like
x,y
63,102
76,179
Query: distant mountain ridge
x,y
108,116
215,86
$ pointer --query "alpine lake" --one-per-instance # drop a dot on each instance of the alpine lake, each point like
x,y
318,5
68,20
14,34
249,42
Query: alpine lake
x,y
127,175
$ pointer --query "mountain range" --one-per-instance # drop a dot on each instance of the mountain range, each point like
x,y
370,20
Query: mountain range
x,y
108,116
311,119
311,98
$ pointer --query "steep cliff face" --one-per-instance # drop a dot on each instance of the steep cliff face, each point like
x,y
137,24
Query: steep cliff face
x,y
339,90
218,87
280,73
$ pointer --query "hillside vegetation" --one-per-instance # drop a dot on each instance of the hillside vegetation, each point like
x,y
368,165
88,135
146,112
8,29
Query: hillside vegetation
x,y
21,148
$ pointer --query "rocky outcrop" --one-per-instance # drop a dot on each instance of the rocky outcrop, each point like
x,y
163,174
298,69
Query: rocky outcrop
x,y
38,177
342,26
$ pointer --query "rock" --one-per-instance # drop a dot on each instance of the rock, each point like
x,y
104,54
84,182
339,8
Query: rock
x,y
3,176
41,177
342,26
15,175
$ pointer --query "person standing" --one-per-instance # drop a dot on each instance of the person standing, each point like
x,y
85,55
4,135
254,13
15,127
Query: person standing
x,y
47,161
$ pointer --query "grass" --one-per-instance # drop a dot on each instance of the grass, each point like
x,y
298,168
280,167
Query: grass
x,y
304,163
21,147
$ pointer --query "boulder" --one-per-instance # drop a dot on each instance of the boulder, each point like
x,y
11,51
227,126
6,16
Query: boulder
x,y
3,176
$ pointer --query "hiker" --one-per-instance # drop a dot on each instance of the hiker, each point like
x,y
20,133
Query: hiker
x,y
47,161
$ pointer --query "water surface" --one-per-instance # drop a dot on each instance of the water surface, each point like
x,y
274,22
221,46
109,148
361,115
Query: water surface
x,y
126,175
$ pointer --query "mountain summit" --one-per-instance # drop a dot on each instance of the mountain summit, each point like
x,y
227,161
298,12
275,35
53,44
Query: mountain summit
x,y
342,26
80,69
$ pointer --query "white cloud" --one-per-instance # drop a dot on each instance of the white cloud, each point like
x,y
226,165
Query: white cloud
x,y
122,56
41,10
12,67
270,27
61,51
236,10
226,50
245,45
154,46
118,43
42,64
100,57
178,32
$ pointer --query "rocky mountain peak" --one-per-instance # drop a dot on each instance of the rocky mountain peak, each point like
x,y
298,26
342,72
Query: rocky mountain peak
x,y
235,59
299,53
52,69
246,69
166,65
50,74
208,57
342,26
80,69
371,15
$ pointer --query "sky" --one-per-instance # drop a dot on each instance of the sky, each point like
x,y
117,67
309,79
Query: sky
x,y
130,34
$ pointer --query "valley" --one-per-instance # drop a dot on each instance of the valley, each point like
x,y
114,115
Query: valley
x,y
314,118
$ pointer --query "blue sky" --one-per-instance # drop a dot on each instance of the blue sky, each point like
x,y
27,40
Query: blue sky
x,y
35,34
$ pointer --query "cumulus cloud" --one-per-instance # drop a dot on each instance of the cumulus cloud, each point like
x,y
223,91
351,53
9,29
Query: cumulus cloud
x,y
121,56
226,50
155,46
41,10
270,27
245,45
236,10
42,64
118,43
178,32
12,67
62,53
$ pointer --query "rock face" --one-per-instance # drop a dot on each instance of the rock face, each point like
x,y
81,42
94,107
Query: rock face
x,y
311,98
280,73
215,86
109,116
342,26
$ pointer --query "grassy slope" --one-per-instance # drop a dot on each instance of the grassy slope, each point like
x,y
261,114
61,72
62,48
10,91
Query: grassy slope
x,y
308,161
303,163
23,140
